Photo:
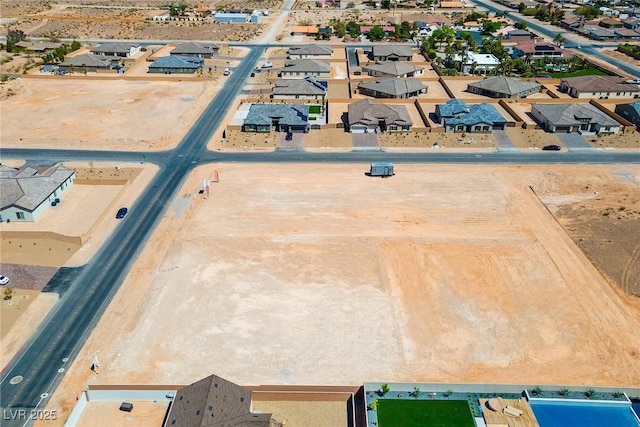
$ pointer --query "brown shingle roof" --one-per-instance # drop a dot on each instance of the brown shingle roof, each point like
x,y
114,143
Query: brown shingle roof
x,y
599,84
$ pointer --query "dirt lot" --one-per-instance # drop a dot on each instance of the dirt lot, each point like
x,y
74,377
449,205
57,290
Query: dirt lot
x,y
101,115
443,273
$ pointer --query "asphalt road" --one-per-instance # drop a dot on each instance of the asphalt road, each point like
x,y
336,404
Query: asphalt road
x,y
550,31
58,341
41,363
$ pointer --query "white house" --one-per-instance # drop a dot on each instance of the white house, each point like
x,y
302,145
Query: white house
x,y
478,62
30,190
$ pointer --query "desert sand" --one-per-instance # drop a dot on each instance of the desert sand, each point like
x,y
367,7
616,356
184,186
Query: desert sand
x,y
316,274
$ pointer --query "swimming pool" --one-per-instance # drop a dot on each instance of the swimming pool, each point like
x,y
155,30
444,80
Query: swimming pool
x,y
554,413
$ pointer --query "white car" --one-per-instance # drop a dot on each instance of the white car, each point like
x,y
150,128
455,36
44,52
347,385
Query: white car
x,y
267,65
4,280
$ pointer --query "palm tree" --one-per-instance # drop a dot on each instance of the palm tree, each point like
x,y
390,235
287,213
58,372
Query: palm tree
x,y
559,39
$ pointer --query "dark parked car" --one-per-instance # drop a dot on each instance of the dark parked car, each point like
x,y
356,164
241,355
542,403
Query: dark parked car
x,y
289,136
121,213
552,147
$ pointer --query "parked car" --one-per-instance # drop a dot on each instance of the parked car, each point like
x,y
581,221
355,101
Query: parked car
x,y
253,74
552,147
267,65
288,137
4,280
121,213
226,72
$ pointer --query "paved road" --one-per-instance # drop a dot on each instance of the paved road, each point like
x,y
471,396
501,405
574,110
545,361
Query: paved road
x,y
550,31
58,341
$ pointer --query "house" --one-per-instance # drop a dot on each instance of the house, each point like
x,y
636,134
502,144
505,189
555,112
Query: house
x,y
632,23
457,116
304,30
393,88
369,116
537,50
602,87
312,51
630,112
504,87
305,68
626,33
28,191
230,18
307,88
519,35
388,29
214,401
281,117
385,52
195,49
600,34
478,62
583,118
610,23
88,62
393,69
175,64
571,23
39,47
121,50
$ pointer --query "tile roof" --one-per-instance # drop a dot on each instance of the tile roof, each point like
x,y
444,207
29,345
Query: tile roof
x,y
505,85
394,86
307,66
388,50
176,61
626,32
306,86
311,49
370,112
395,68
533,47
194,48
87,59
289,114
599,84
27,188
308,29
570,114
115,47
457,112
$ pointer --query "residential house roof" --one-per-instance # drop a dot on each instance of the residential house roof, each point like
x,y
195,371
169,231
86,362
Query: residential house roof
x,y
311,49
233,15
631,21
369,112
176,61
87,59
457,112
288,114
570,114
451,4
505,85
38,46
535,47
307,66
601,32
28,187
481,59
599,84
214,401
394,87
610,22
306,86
191,48
114,47
386,28
395,68
519,33
626,32
635,106
388,50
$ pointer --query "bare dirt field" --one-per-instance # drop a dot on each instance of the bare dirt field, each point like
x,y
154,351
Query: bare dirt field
x,y
102,115
316,274
107,414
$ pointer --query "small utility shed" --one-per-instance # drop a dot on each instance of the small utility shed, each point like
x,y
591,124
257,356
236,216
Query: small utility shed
x,y
381,169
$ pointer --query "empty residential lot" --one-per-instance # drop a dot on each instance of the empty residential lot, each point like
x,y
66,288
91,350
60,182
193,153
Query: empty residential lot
x,y
317,274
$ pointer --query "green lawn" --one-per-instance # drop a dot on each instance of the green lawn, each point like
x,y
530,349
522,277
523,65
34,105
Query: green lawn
x,y
586,72
420,413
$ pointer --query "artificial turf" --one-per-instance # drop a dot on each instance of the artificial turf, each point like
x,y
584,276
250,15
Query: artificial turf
x,y
423,413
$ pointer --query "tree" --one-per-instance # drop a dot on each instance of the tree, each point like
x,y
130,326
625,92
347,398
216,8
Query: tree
x,y
589,12
559,39
376,33
489,27
8,293
177,9
521,25
75,45
353,28
385,4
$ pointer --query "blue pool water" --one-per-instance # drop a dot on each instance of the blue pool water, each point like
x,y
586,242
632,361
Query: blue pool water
x,y
596,414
